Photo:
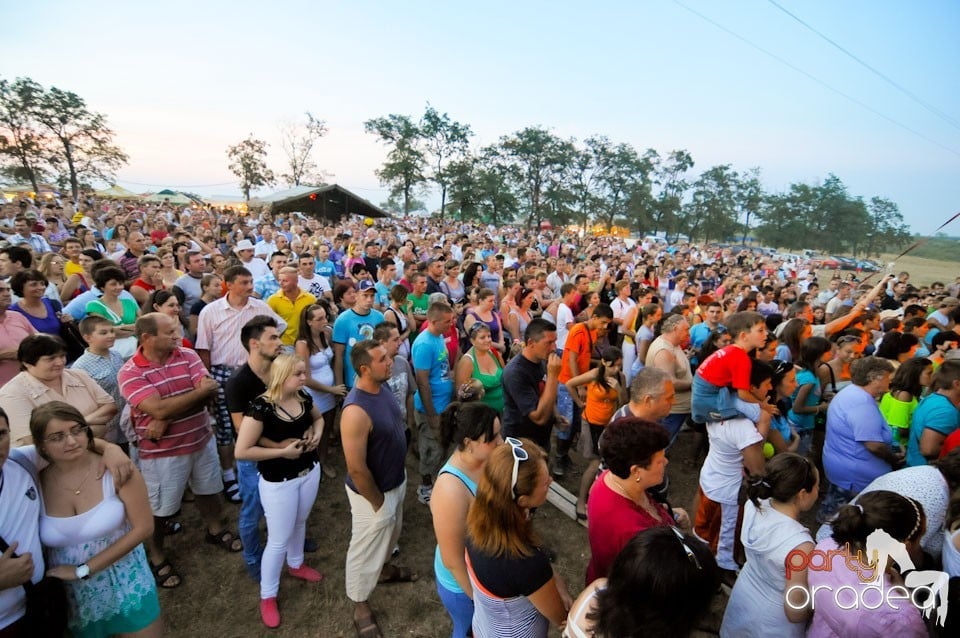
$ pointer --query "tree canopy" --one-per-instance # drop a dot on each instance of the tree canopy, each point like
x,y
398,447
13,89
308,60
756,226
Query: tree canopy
x,y
52,135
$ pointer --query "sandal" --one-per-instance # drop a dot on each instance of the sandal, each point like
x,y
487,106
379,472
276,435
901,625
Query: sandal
x,y
367,627
400,575
231,491
225,539
164,579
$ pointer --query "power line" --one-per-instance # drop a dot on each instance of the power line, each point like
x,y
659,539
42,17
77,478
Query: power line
x,y
876,72
818,80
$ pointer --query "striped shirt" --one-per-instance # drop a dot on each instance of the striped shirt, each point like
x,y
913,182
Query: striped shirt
x,y
495,616
218,329
141,379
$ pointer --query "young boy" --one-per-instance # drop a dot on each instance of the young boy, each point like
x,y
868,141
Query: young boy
x,y
721,386
103,364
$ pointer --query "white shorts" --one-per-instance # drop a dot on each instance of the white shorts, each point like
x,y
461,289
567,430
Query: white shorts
x,y
168,476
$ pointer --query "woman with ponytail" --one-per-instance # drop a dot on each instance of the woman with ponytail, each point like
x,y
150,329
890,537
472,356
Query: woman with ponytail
x,y
474,428
840,596
770,533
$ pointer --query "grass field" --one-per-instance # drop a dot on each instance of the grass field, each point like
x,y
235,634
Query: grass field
x,y
923,271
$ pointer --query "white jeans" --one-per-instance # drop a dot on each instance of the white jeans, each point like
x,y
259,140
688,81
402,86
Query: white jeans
x,y
728,535
286,505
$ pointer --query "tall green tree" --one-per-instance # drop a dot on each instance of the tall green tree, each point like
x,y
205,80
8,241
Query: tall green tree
x,y
446,141
623,174
405,170
248,161
749,198
712,211
298,139
538,160
83,148
887,228
673,185
23,143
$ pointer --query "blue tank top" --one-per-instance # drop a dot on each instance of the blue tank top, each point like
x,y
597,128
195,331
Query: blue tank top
x,y
387,442
445,576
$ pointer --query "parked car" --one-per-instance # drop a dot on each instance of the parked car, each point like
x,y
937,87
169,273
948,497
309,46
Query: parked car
x,y
867,266
846,263
829,262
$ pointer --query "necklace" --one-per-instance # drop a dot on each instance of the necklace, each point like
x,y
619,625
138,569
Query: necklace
x,y
79,487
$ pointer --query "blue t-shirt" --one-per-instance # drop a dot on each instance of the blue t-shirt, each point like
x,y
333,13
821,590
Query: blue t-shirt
x,y
348,329
806,377
699,334
853,419
937,413
381,294
326,269
430,353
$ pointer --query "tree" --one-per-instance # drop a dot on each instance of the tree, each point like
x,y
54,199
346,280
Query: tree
x,y
670,177
248,161
404,170
22,142
887,229
446,142
749,198
297,141
85,149
712,212
537,158
623,175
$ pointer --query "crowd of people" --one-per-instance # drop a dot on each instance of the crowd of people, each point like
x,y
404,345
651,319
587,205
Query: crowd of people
x,y
151,355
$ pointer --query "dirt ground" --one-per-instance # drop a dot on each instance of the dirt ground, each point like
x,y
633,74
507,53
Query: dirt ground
x,y
218,599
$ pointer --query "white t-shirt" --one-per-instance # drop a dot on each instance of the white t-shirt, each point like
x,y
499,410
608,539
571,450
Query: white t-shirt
x,y
20,522
315,286
621,308
564,322
722,470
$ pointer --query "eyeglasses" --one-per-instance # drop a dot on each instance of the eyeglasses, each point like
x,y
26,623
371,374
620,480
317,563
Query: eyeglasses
x,y
60,437
686,548
519,454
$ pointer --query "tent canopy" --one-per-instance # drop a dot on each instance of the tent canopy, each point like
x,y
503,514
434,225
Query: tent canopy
x,y
323,202
116,192
175,198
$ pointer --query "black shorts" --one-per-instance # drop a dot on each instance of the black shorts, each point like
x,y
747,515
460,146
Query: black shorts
x,y
595,432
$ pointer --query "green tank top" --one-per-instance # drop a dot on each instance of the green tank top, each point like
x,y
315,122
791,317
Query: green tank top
x,y
492,383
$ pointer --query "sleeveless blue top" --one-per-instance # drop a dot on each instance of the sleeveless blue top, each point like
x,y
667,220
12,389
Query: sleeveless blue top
x,y
445,576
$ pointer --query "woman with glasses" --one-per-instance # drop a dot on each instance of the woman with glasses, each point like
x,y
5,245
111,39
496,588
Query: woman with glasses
x,y
285,417
314,346
515,590
474,430
483,363
93,533
761,604
620,503
661,584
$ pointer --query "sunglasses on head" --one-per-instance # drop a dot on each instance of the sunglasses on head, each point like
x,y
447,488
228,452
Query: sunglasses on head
x,y
519,454
686,548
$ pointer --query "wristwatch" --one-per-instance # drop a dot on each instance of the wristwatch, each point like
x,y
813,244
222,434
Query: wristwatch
x,y
83,572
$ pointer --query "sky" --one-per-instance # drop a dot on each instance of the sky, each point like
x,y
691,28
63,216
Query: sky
x,y
738,82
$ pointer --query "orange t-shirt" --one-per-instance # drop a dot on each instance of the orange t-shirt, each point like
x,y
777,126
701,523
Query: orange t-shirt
x,y
600,404
580,341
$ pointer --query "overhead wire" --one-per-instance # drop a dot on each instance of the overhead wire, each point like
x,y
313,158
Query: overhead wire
x,y
817,80
945,117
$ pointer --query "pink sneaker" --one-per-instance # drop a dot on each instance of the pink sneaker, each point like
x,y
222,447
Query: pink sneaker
x,y
269,612
307,573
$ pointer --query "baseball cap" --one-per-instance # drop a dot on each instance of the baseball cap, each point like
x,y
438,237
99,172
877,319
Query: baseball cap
x,y
364,285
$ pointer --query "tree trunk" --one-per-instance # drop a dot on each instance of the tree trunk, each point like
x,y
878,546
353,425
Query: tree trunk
x,y
74,184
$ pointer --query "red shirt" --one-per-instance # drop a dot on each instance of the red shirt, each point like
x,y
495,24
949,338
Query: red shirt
x,y
614,520
949,443
729,366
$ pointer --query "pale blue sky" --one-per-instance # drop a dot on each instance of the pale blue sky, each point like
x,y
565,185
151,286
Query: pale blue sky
x,y
180,81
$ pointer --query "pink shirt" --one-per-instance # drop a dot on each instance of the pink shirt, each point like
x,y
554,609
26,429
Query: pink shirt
x,y
140,379
14,328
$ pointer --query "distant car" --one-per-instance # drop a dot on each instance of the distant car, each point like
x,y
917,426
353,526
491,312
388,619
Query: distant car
x,y
830,262
846,263
867,266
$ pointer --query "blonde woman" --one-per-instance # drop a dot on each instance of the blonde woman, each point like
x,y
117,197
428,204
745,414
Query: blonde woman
x,y
281,431
51,265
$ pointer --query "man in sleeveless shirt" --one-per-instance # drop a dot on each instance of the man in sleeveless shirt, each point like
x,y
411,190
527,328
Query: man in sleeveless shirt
x,y
375,446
